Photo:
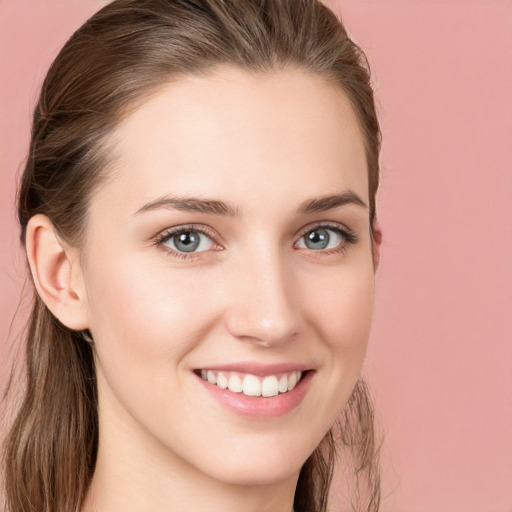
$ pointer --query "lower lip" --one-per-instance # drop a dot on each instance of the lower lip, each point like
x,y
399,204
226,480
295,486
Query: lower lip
x,y
259,407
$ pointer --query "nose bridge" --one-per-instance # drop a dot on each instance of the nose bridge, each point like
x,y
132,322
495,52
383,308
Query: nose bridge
x,y
263,306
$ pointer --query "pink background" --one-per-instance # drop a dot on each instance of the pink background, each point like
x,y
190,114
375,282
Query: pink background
x,y
440,359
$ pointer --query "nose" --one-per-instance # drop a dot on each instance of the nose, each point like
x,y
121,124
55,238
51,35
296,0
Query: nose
x,y
263,306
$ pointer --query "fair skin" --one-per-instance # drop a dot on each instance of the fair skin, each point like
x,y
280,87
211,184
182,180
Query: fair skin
x,y
276,284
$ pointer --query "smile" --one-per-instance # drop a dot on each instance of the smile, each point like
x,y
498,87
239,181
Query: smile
x,y
253,385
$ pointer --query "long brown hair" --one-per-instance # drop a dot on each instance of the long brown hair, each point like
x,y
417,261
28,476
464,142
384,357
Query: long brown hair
x,y
122,54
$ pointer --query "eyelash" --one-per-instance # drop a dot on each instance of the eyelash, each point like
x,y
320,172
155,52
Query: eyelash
x,y
169,233
348,236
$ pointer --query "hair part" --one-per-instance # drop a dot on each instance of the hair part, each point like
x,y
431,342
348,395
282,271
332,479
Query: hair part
x,y
117,59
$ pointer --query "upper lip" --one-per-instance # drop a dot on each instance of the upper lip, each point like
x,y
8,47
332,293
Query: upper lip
x,y
258,369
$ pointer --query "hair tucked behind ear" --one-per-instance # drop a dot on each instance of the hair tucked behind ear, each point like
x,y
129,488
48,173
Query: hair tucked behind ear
x,y
118,58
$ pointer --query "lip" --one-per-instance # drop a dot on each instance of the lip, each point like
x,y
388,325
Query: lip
x,y
257,407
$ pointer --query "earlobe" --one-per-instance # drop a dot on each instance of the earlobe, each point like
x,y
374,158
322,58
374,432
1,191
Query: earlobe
x,y
56,273
377,241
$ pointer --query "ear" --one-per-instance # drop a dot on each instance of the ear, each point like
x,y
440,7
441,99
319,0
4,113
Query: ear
x,y
377,241
57,273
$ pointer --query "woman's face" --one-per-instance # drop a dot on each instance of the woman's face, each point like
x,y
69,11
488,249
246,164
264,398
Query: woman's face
x,y
231,244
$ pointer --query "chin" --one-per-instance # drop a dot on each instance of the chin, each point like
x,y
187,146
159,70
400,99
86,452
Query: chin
x,y
258,466
264,474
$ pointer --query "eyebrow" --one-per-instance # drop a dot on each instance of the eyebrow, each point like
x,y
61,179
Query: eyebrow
x,y
213,206
324,203
190,204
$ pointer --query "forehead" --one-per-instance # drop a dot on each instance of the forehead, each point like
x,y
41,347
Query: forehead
x,y
210,134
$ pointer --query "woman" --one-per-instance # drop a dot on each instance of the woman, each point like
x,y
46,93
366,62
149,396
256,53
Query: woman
x,y
198,212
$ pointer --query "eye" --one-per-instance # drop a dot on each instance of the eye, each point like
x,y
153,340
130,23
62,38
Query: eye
x,y
320,239
326,238
186,240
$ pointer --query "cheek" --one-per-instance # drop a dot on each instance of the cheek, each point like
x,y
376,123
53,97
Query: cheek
x,y
145,315
343,315
343,318
145,320
343,308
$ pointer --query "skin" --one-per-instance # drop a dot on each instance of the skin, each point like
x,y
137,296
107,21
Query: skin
x,y
265,144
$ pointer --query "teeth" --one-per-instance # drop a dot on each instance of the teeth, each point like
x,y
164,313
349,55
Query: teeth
x,y
222,382
270,386
292,380
251,385
283,384
235,384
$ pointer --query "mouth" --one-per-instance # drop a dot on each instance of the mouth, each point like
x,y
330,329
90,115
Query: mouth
x,y
257,391
253,385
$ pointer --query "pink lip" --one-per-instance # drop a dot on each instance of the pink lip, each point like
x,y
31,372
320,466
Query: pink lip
x,y
257,407
258,369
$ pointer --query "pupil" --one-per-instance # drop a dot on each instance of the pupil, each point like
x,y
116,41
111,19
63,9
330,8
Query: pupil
x,y
318,239
186,242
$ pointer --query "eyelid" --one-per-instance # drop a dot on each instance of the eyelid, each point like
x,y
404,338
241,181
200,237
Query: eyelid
x,y
345,232
167,233
200,228
337,226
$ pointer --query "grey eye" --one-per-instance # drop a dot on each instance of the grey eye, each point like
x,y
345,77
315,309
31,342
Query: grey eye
x,y
320,239
189,241
186,242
